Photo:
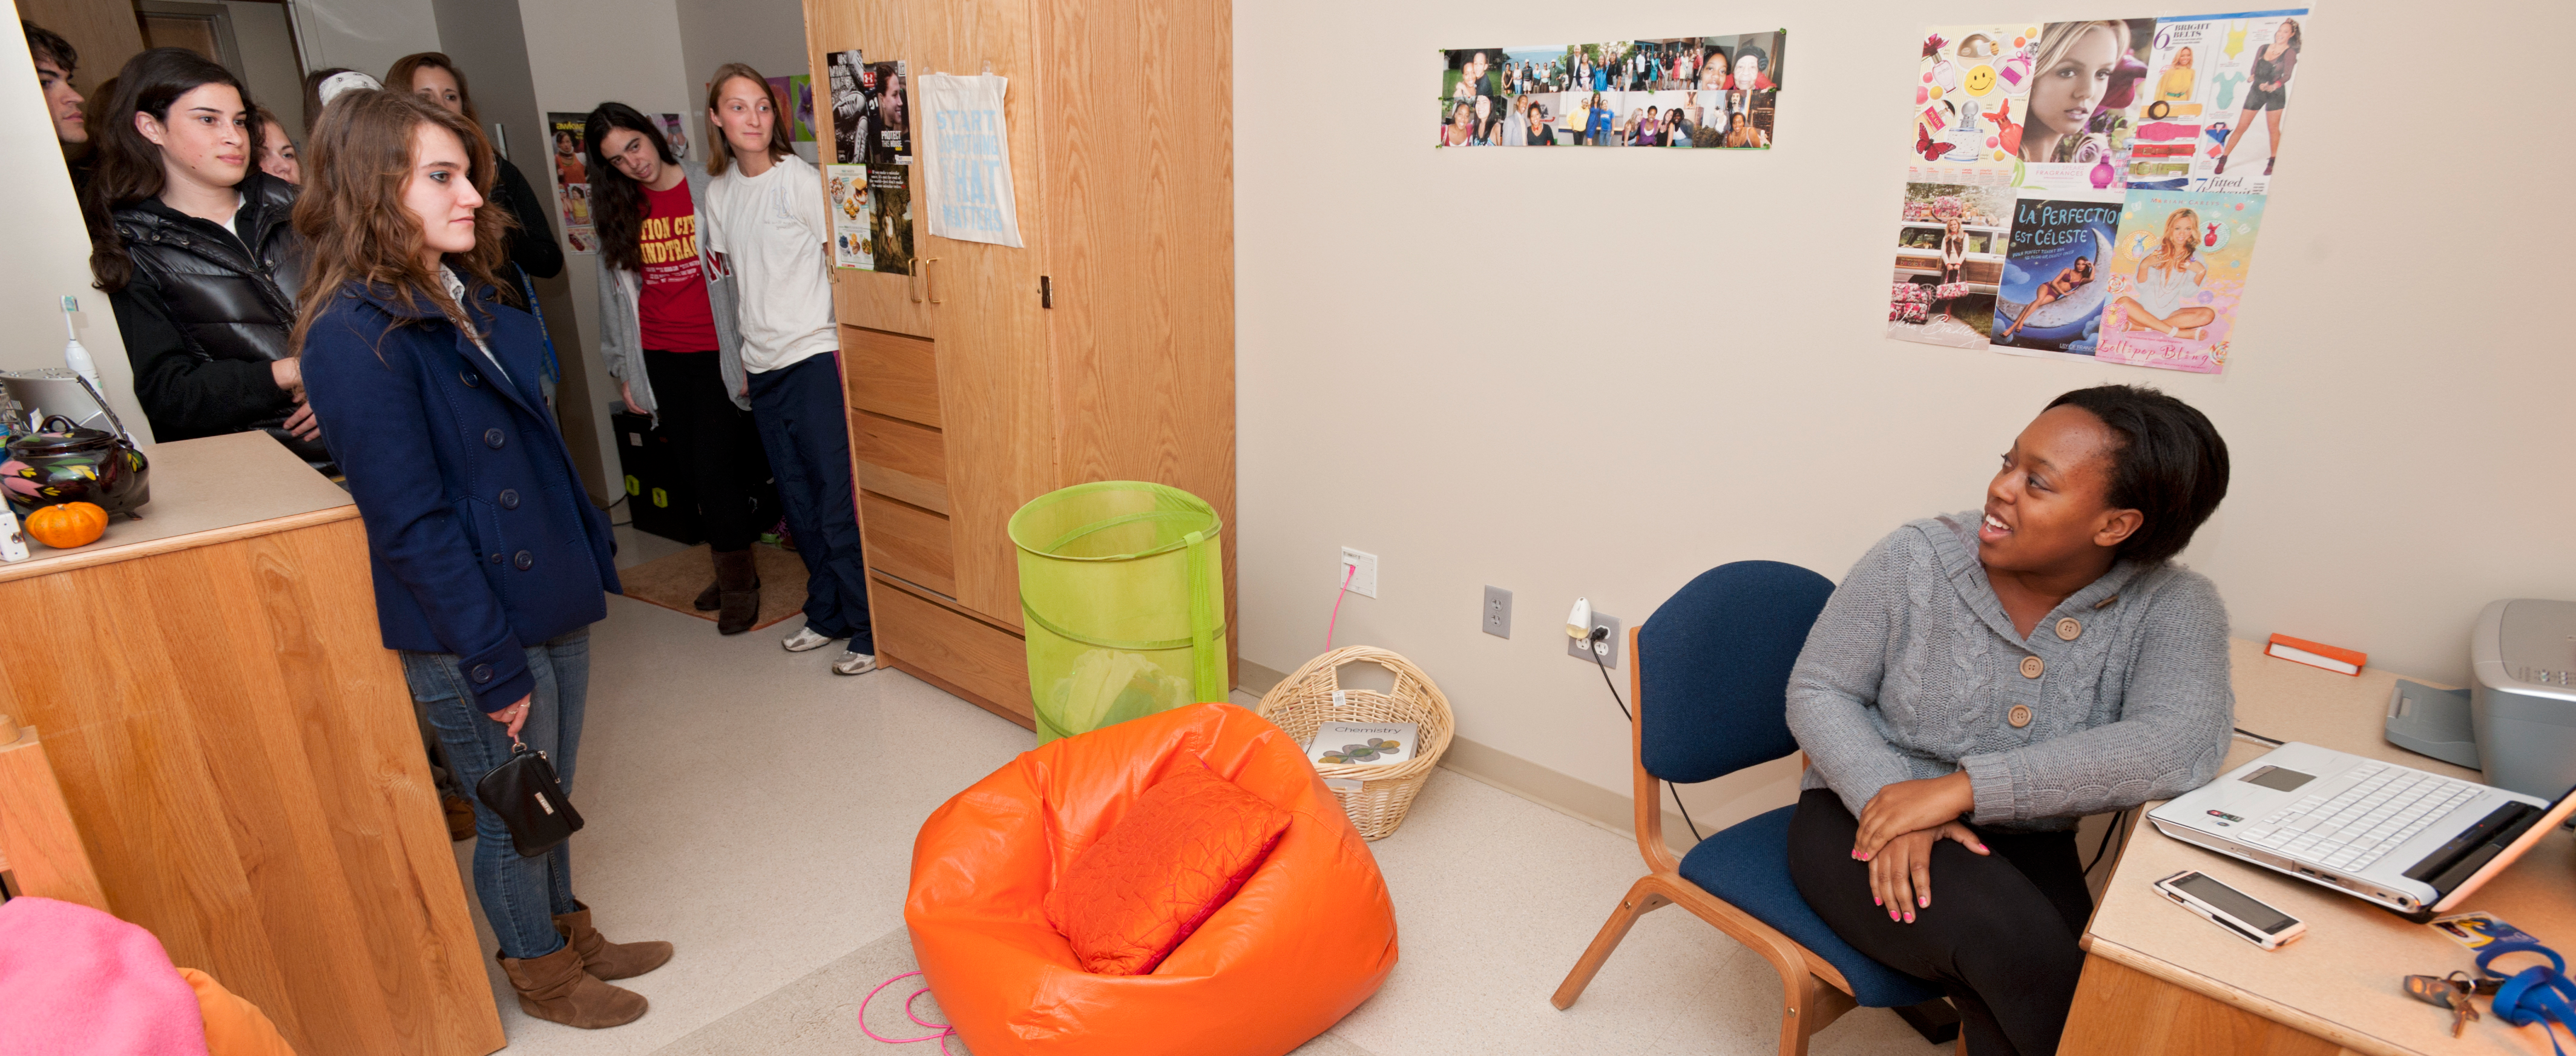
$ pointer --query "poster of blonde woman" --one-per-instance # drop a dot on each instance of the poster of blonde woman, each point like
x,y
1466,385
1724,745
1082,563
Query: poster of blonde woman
x,y
2177,274
2221,85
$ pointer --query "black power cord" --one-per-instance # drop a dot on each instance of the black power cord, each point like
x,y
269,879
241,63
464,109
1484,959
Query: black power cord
x,y
1590,645
2119,826
2251,735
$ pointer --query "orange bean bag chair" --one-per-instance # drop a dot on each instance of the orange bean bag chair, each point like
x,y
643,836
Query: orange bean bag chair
x,y
1308,937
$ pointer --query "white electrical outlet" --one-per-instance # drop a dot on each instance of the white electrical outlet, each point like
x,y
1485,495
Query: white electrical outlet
x,y
1363,581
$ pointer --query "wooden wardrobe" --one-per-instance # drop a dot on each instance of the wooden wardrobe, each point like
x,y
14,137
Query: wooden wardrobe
x,y
1102,350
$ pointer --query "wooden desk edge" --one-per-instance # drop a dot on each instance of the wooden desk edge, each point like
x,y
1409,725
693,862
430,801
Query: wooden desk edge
x,y
2257,1004
46,566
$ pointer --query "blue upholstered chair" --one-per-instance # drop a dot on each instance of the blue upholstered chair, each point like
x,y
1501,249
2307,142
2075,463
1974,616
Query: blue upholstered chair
x,y
1710,678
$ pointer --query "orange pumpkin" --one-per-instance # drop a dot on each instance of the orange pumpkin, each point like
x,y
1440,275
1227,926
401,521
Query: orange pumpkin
x,y
67,525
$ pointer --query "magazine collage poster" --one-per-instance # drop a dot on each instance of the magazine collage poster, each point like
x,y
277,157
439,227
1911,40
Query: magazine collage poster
x,y
867,177
2110,137
572,180
1715,92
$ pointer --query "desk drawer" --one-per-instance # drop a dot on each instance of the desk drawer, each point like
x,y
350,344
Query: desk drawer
x,y
891,374
908,543
900,460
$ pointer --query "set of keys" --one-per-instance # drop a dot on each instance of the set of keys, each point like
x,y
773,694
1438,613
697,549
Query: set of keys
x,y
2452,992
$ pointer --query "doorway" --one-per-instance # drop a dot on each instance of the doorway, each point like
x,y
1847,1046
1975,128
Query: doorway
x,y
253,38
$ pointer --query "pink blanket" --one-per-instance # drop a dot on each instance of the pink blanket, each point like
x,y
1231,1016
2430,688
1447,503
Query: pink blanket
x,y
82,982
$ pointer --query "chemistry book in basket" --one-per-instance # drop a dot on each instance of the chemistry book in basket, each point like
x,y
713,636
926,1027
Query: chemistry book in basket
x,y
1362,743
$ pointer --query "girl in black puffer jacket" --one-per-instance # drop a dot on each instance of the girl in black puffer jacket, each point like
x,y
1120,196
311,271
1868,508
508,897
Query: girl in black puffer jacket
x,y
193,246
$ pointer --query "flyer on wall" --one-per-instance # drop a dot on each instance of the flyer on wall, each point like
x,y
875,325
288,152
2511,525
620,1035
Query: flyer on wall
x,y
2178,270
845,194
1673,92
2056,273
2217,92
1949,261
849,104
572,180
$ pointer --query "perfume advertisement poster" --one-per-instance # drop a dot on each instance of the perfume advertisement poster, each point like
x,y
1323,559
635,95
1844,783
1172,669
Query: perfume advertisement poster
x,y
2056,274
2178,271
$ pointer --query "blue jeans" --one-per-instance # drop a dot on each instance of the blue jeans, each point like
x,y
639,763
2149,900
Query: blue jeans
x,y
520,896
804,423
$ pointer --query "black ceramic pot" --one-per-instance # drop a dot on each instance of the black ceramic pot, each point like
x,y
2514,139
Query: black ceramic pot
x,y
70,463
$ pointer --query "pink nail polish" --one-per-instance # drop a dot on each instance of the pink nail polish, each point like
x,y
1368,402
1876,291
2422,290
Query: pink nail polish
x,y
1891,915
1909,918
1922,901
1876,901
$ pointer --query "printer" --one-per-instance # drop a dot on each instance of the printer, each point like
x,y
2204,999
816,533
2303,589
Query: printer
x,y
2522,695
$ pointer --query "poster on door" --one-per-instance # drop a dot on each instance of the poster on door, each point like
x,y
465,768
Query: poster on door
x,y
889,212
849,104
572,180
845,196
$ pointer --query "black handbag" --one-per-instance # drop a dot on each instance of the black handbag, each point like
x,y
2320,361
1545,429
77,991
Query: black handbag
x,y
524,792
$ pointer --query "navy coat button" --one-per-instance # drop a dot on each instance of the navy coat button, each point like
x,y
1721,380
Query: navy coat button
x,y
483,673
496,557
522,560
509,498
492,438
469,378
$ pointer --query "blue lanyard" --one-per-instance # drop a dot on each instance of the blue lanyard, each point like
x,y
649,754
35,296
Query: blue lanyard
x,y
2540,994
553,370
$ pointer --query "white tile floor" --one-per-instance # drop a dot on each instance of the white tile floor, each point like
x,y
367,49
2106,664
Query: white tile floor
x,y
758,811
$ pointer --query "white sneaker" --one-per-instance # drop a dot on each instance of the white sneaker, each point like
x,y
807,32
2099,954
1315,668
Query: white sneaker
x,y
805,639
853,662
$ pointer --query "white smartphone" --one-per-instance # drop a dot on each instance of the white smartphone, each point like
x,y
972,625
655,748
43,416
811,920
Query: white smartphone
x,y
2244,915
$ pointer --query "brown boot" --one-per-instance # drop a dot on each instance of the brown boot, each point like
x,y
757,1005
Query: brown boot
x,y
554,988
738,580
604,959
711,598
460,817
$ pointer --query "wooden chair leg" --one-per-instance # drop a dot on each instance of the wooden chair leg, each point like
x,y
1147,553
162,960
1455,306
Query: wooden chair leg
x,y
1642,898
1810,1005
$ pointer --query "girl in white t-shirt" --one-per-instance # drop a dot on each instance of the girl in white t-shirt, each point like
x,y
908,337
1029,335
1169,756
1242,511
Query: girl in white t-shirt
x,y
773,233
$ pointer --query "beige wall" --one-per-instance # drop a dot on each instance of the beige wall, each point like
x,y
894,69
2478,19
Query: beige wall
x,y
48,248
1571,373
364,35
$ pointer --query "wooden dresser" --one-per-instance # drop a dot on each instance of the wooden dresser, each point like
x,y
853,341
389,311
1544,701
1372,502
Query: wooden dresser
x,y
235,749
1103,350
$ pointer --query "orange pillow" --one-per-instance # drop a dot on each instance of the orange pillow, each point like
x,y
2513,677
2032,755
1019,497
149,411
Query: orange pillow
x,y
1130,899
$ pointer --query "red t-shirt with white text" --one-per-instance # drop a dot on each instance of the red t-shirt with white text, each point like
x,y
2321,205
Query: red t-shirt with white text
x,y
676,315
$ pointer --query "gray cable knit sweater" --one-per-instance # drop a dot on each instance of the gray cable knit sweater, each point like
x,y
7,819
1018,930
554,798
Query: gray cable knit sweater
x,y
1913,671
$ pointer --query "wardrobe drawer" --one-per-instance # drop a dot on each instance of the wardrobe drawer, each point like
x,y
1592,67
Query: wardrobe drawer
x,y
891,374
900,460
958,653
908,543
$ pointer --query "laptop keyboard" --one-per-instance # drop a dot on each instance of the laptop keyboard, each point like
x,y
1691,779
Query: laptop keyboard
x,y
2348,832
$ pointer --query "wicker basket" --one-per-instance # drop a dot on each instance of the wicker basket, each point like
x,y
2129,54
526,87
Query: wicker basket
x,y
1313,696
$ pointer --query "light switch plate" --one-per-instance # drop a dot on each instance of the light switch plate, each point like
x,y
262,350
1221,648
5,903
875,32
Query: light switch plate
x,y
1364,581
1498,612
1575,647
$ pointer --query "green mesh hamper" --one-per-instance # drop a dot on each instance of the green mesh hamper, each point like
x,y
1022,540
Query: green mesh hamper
x,y
1124,593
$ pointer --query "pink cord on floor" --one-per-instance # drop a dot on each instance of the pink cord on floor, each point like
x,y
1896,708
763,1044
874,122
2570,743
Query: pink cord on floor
x,y
945,1031
1347,572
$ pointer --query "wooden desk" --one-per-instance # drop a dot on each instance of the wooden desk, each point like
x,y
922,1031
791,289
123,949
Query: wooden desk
x,y
2159,980
238,753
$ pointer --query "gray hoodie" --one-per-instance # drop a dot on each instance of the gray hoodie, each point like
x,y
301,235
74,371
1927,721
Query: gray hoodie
x,y
621,324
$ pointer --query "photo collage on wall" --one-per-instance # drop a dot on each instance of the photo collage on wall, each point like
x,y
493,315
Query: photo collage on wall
x,y
1674,92
869,179
2091,190
572,170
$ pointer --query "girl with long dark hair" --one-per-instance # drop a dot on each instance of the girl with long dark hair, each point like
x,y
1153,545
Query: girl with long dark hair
x,y
490,563
668,331
191,242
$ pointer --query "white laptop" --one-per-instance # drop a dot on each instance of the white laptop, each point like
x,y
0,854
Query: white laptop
x,y
2412,841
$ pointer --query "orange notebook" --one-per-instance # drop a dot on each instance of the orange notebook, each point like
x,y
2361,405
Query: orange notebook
x,y
2339,661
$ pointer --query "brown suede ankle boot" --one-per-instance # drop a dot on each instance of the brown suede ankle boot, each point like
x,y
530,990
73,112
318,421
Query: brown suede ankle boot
x,y
738,580
554,988
711,598
604,959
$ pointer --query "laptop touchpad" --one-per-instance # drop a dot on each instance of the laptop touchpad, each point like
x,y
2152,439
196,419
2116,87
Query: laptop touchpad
x,y
2278,779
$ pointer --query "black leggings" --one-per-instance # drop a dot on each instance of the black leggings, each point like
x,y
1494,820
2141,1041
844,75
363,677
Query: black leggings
x,y
722,453
1999,937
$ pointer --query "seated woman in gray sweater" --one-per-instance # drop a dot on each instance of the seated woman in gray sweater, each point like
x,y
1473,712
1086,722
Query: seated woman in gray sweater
x,y
1984,679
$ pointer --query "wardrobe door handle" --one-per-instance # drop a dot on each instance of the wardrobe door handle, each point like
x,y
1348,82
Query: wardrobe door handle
x,y
926,287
